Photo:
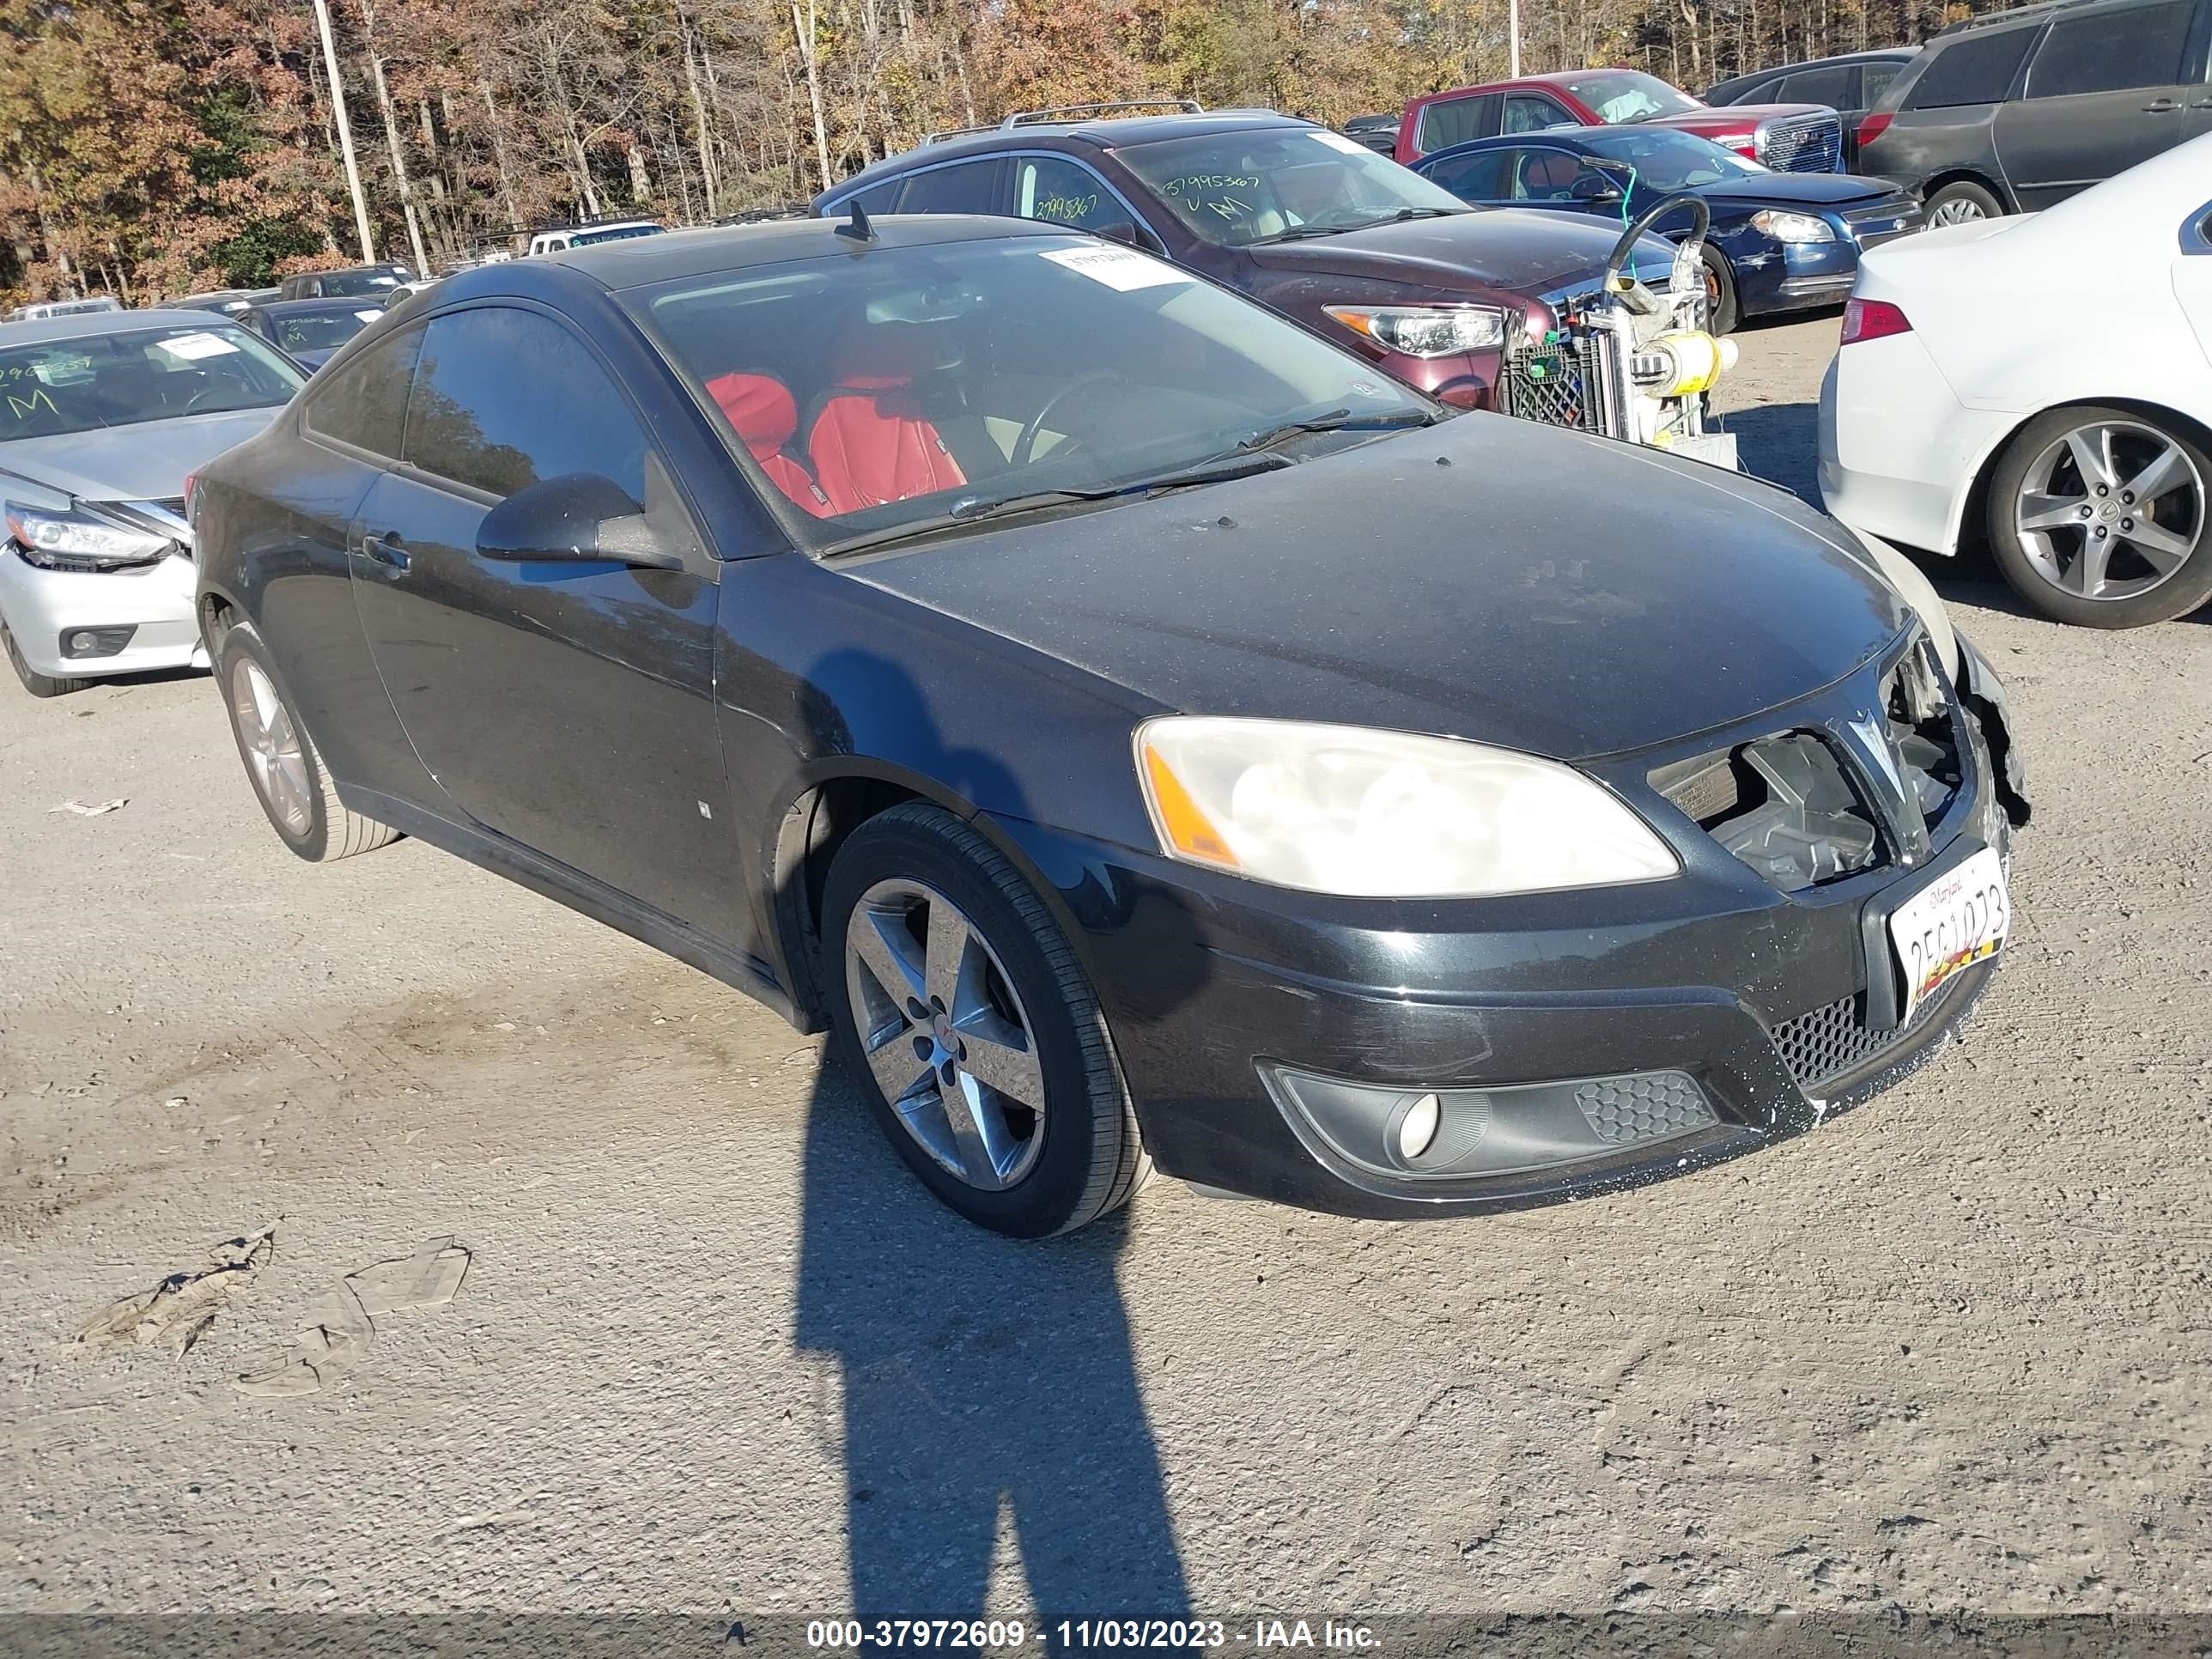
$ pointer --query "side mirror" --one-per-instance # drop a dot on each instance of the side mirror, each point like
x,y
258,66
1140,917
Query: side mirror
x,y
1594,188
1128,233
579,518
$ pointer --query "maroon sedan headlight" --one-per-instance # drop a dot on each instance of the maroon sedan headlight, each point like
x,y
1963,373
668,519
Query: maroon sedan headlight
x,y
1443,331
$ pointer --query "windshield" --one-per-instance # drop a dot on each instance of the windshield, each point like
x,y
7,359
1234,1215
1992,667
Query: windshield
x,y
321,331
1666,159
1272,184
619,234
358,281
1621,95
905,385
60,386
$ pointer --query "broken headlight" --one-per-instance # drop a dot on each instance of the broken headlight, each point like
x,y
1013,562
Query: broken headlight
x,y
1426,330
82,538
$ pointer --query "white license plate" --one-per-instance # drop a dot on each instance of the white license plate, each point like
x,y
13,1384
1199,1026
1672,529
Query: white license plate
x,y
1956,920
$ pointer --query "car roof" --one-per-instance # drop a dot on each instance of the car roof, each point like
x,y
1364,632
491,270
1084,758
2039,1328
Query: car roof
x,y
90,324
1871,55
643,260
1105,133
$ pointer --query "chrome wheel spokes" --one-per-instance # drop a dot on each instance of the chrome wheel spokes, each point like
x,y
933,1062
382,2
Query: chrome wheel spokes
x,y
944,1036
2110,510
273,748
1958,212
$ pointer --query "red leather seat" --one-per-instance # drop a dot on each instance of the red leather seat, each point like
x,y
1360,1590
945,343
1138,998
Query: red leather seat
x,y
760,412
872,444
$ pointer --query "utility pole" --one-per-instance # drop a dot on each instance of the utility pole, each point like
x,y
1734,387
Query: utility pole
x,y
1512,28
345,133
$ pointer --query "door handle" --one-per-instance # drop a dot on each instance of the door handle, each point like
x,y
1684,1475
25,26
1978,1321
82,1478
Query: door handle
x,y
2201,103
2159,106
385,549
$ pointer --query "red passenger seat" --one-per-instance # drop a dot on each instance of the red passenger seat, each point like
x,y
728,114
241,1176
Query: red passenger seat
x,y
872,444
760,412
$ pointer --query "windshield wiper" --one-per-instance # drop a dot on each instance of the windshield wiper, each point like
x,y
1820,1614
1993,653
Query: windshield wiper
x,y
973,510
1299,232
1337,419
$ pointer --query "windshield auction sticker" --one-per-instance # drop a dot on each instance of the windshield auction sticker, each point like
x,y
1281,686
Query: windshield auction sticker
x,y
192,346
1338,140
1121,268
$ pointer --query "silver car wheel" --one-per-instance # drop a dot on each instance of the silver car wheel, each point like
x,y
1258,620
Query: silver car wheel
x,y
272,746
2110,510
1958,210
944,1033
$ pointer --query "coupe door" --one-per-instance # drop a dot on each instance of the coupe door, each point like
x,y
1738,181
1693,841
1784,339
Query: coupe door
x,y
2106,91
569,707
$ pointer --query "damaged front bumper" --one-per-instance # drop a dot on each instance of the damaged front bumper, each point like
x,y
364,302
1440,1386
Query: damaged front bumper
x,y
141,616
1366,1057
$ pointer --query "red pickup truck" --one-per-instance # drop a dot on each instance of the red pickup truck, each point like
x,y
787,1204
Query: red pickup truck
x,y
1788,137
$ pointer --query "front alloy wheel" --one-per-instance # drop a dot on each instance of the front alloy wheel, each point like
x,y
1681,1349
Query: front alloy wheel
x,y
976,1035
2098,516
944,1036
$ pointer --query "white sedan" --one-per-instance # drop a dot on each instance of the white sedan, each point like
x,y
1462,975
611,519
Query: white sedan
x,y
2047,381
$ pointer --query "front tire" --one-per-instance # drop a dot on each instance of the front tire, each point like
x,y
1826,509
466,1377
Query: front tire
x,y
282,763
973,1031
1723,310
37,684
2098,517
1960,202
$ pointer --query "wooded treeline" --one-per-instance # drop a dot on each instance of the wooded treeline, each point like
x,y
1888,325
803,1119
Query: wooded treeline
x,y
156,146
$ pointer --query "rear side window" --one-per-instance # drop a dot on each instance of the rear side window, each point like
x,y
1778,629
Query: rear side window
x,y
2112,51
1975,70
1874,80
876,198
1452,121
1763,93
364,403
1478,177
966,187
1834,86
504,397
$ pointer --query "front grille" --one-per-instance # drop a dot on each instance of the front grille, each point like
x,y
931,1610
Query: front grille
x,y
1803,143
1834,1039
1883,221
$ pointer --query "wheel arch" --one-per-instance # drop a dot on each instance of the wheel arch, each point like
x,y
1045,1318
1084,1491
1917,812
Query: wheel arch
x,y
826,804
1970,517
1990,182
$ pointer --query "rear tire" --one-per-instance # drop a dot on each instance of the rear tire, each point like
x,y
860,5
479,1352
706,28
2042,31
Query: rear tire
x,y
1006,997
2067,571
37,684
1960,202
1725,311
288,777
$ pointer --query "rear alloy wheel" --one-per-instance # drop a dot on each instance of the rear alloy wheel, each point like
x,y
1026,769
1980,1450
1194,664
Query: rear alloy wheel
x,y
2098,518
37,684
975,1034
1960,203
287,773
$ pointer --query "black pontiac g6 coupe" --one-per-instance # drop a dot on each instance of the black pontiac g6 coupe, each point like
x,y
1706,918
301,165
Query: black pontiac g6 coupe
x,y
1144,732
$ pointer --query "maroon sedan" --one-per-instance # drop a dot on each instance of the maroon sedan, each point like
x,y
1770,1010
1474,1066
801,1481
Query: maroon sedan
x,y
1788,137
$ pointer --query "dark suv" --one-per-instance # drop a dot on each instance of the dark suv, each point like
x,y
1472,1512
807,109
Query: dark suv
x,y
2013,111
1850,85
346,283
1358,249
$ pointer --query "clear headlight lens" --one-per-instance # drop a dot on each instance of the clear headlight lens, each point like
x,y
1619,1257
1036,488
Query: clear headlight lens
x,y
1426,330
80,537
1793,227
1348,810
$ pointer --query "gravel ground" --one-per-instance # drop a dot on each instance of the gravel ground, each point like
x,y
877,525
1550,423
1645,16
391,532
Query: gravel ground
x,y
716,1351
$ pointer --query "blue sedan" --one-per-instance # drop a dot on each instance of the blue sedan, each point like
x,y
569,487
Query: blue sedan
x,y
1780,241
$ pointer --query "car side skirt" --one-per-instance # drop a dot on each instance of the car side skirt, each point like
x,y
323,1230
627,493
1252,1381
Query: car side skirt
x,y
739,969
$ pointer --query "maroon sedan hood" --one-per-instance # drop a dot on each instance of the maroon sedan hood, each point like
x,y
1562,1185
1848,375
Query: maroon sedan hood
x,y
1521,250
1734,117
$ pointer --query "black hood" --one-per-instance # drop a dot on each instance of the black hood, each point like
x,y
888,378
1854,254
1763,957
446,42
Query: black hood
x,y
1566,595
1812,190
1520,251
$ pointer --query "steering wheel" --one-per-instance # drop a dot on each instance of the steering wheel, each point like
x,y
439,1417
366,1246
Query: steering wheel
x,y
1026,446
202,396
1689,252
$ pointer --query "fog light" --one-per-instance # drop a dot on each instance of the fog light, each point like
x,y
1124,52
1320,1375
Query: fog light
x,y
1432,1134
1419,1127
81,643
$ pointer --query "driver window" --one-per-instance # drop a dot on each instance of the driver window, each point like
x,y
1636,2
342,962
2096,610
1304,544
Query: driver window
x,y
1527,113
1547,175
1063,193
